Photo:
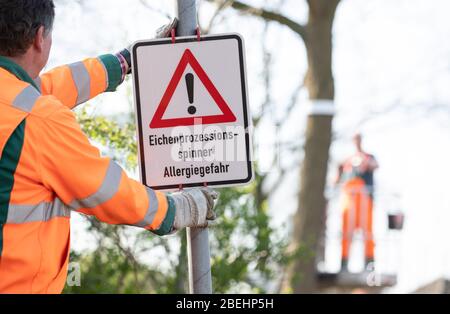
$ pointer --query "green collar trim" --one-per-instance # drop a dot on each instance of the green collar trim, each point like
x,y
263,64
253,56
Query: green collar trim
x,y
17,70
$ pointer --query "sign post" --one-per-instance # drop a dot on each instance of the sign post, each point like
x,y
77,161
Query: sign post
x,y
192,119
199,257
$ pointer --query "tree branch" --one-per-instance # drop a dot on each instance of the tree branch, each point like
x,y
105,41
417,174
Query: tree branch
x,y
267,67
266,15
152,8
217,13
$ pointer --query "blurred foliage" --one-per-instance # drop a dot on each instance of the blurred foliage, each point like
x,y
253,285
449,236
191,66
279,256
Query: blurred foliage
x,y
119,138
246,252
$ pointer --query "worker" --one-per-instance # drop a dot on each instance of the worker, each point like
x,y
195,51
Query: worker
x,y
356,174
48,168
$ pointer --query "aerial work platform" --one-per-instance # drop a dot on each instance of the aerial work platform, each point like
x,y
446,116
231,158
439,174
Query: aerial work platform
x,y
360,272
347,282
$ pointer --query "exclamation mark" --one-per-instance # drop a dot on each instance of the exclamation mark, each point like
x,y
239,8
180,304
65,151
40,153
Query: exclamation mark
x,y
190,90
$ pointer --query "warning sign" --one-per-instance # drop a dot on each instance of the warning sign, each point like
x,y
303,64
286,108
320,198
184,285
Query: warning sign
x,y
192,115
189,59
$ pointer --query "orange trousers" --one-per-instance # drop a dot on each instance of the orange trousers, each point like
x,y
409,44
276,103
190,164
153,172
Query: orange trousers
x,y
357,214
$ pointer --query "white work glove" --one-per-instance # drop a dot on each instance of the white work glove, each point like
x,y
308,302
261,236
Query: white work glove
x,y
194,208
166,30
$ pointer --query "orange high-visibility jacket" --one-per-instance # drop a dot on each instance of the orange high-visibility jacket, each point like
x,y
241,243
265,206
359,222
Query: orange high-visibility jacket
x,y
48,168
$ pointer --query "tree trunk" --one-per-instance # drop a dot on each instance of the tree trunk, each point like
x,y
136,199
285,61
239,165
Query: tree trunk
x,y
310,216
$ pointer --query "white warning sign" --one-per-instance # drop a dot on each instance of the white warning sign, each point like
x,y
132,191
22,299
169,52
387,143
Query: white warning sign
x,y
192,115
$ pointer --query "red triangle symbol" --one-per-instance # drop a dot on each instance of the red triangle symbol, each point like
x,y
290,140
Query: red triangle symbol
x,y
226,116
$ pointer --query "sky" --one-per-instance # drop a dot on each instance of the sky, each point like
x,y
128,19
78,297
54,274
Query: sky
x,y
391,63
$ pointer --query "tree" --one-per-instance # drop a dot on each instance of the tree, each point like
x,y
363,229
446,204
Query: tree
x,y
310,216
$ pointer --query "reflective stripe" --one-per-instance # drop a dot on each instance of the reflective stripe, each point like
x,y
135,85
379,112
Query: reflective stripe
x,y
26,99
151,211
18,214
38,82
107,190
82,81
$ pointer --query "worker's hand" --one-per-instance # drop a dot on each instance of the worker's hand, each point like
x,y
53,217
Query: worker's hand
x,y
162,32
194,208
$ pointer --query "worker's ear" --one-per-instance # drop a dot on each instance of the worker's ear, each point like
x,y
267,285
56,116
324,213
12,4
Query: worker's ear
x,y
39,40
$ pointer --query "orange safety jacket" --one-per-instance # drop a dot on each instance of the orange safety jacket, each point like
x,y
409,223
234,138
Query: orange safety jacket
x,y
48,168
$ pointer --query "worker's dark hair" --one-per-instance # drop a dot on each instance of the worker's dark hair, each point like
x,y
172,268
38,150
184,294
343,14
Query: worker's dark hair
x,y
19,22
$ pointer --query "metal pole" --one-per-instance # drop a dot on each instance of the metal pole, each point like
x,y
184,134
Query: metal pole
x,y
197,238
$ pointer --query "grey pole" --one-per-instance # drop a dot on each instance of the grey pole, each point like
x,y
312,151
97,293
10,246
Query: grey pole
x,y
197,238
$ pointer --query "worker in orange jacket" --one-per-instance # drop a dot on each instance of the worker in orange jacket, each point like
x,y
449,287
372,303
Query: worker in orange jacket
x,y
356,173
48,168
